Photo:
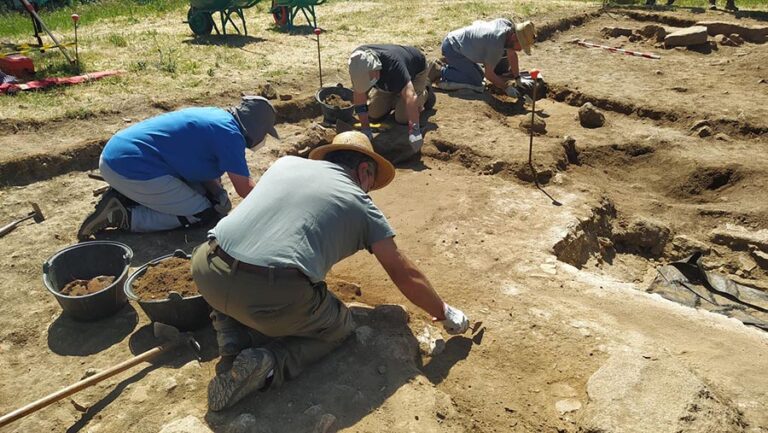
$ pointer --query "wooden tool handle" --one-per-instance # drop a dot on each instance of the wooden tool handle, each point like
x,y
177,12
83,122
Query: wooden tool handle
x,y
9,227
85,383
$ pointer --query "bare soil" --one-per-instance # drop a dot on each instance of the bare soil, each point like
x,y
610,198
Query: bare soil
x,y
169,275
565,336
86,287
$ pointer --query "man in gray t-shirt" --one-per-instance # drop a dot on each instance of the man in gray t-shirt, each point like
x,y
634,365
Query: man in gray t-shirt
x,y
264,265
485,43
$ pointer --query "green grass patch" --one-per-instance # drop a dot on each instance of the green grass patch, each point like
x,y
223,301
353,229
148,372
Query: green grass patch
x,y
59,19
117,40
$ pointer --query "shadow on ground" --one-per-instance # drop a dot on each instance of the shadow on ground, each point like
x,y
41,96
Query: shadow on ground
x,y
380,358
69,337
236,41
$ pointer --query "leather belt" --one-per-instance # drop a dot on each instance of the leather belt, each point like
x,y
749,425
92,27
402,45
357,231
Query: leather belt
x,y
237,265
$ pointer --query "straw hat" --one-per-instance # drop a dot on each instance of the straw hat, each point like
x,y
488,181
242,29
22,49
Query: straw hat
x,y
526,35
358,142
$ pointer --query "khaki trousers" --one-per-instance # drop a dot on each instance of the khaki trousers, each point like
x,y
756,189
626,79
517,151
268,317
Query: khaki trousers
x,y
303,320
381,102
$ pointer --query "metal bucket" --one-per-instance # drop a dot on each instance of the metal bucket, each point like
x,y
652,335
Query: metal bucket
x,y
85,261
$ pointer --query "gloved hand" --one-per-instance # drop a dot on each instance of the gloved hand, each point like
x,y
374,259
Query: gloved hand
x,y
221,204
368,133
512,92
455,321
524,83
415,138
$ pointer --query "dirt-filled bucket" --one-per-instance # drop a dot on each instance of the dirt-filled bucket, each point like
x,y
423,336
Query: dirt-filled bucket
x,y
86,261
336,104
168,294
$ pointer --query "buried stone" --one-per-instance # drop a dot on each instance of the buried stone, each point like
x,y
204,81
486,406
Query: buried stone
x,y
695,35
590,117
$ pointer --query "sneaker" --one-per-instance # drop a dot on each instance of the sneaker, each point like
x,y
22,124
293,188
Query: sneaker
x,y
730,6
451,85
109,213
249,373
434,71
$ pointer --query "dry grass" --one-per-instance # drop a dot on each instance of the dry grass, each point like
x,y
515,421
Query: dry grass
x,y
165,63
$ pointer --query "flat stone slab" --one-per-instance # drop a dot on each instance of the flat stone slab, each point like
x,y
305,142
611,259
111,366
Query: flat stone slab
x,y
636,392
696,35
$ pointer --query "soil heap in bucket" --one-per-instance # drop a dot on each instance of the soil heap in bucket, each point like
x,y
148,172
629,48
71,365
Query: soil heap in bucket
x,y
91,262
165,291
336,104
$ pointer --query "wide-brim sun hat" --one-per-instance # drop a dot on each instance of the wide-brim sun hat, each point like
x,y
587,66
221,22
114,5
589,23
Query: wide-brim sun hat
x,y
526,35
257,117
357,141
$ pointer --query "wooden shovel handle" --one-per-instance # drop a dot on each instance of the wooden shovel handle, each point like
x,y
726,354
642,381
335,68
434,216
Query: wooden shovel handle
x,y
85,383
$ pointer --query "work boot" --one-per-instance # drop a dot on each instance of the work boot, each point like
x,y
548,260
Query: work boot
x,y
730,6
434,71
110,212
250,372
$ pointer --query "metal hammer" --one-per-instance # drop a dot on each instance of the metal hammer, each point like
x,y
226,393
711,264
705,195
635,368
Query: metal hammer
x,y
36,214
172,337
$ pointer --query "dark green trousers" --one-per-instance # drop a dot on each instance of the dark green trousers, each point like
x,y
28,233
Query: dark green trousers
x,y
303,321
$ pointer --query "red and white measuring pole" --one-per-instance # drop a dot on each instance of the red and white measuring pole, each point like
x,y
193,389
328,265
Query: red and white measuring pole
x,y
619,50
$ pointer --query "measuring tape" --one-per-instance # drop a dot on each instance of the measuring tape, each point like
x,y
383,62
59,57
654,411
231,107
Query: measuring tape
x,y
24,49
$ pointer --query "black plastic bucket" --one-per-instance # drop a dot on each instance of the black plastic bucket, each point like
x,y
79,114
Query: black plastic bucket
x,y
184,313
83,262
330,113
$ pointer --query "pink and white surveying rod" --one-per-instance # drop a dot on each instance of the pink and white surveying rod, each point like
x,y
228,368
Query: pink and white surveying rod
x,y
619,50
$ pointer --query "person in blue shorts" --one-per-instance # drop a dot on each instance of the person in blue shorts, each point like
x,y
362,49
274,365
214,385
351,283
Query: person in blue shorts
x,y
165,172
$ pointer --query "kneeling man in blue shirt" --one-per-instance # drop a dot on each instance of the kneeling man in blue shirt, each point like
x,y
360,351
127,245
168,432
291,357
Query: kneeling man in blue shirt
x,y
165,172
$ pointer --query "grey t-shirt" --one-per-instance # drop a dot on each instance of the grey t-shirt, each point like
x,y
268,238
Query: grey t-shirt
x,y
302,214
483,41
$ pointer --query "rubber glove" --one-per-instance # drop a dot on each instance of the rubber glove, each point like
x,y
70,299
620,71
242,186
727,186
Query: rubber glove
x,y
222,205
368,133
455,321
415,138
512,92
524,83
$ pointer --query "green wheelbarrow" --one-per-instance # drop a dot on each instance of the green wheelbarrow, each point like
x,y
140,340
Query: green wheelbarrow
x,y
200,15
285,11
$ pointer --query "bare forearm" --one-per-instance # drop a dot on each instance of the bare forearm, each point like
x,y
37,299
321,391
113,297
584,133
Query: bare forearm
x,y
493,78
361,99
411,107
416,287
514,64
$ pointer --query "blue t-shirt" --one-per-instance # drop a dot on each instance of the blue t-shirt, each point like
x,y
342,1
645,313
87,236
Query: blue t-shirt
x,y
194,144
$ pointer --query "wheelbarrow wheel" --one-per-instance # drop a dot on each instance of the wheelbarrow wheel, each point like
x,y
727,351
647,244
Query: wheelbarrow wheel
x,y
200,22
280,14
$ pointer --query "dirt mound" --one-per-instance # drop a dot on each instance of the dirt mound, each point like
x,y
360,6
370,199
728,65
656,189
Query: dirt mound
x,y
641,236
337,101
171,275
704,179
87,287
